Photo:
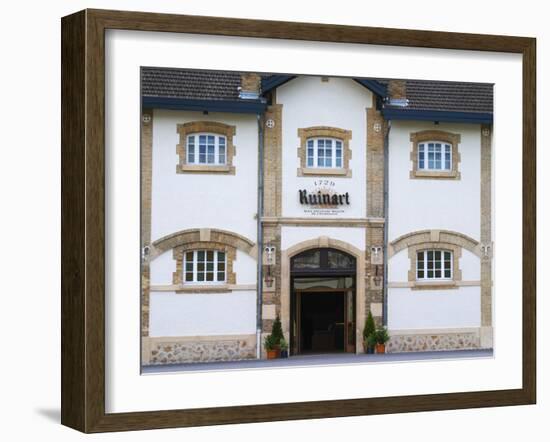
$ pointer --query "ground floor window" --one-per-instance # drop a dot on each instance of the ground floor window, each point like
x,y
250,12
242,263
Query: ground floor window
x,y
204,266
434,264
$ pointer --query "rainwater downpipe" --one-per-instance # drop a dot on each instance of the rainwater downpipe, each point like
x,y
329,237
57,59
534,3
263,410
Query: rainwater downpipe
x,y
386,204
260,236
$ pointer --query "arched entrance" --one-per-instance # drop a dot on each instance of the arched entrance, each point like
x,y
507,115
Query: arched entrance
x,y
322,301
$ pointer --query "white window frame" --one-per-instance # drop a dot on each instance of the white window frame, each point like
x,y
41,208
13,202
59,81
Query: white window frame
x,y
444,148
194,157
195,271
442,260
313,143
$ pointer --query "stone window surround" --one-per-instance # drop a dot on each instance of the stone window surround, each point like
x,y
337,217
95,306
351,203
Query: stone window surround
x,y
434,239
212,127
320,132
179,252
435,135
456,252
202,239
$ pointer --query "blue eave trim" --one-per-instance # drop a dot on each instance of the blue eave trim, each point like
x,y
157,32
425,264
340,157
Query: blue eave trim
x,y
241,106
455,117
374,86
275,81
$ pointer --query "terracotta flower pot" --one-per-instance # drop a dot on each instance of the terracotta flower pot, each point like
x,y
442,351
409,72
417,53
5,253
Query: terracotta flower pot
x,y
380,348
271,354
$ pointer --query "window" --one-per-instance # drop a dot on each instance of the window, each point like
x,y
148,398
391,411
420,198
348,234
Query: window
x,y
324,259
324,153
204,148
310,259
434,265
434,155
205,266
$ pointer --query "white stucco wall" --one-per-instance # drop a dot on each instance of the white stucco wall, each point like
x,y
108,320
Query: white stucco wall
x,y
398,266
193,314
185,201
428,309
191,200
161,269
416,309
245,268
417,204
291,236
341,103
470,265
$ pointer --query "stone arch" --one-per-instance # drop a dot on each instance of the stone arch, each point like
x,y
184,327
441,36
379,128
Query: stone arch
x,y
324,242
183,237
434,237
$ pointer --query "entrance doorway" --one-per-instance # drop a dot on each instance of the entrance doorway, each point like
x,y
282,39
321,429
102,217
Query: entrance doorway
x,y
322,310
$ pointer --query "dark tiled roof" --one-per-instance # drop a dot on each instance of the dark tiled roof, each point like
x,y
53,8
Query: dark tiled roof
x,y
193,85
220,85
450,96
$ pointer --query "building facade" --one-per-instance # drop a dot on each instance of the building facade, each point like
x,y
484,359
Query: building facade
x,y
315,200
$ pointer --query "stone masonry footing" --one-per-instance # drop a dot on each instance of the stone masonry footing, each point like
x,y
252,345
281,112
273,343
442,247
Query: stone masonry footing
x,y
433,342
202,351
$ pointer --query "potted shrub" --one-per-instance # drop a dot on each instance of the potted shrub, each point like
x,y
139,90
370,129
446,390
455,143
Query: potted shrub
x,y
382,337
269,345
277,333
368,331
284,348
370,343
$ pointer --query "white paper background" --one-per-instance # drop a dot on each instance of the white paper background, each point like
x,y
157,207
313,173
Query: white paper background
x,y
128,391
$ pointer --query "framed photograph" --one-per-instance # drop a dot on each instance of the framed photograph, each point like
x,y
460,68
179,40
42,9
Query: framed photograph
x,y
270,220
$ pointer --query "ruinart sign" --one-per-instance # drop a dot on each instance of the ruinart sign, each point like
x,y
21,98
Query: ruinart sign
x,y
323,200
320,198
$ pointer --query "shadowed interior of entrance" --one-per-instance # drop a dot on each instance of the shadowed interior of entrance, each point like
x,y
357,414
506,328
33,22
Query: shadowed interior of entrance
x,y
322,322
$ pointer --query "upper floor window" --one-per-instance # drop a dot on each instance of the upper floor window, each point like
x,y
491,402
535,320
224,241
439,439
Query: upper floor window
x,y
205,266
324,153
204,148
434,155
434,265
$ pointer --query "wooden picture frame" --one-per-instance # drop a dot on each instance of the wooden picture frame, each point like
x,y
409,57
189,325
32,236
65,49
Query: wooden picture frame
x,y
83,220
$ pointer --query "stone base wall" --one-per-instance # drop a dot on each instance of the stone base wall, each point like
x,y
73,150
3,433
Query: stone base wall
x,y
180,351
433,342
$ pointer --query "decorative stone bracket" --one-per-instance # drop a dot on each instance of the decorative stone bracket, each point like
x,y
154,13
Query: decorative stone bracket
x,y
377,255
